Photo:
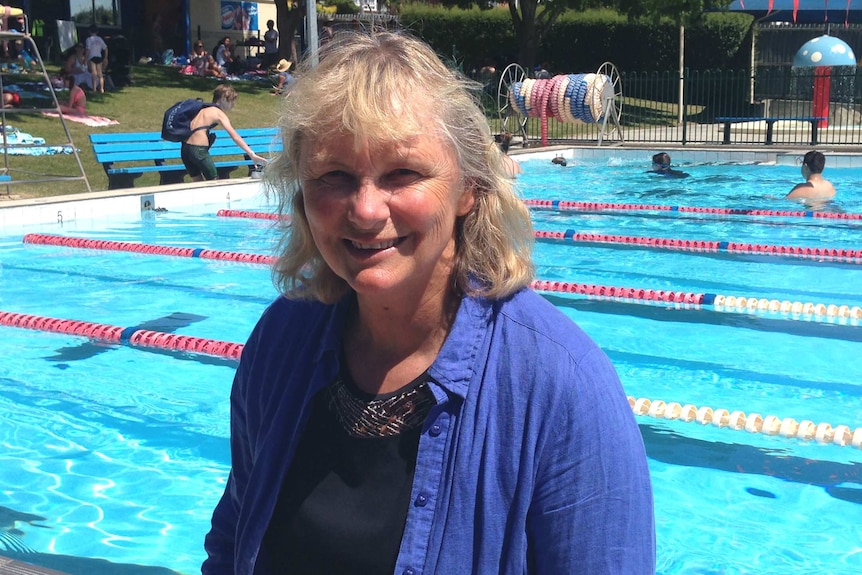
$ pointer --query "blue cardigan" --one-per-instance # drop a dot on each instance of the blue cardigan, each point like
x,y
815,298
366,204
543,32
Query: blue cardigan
x,y
531,461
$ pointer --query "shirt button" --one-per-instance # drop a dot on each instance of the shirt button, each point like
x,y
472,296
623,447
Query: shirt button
x,y
435,430
421,500
408,571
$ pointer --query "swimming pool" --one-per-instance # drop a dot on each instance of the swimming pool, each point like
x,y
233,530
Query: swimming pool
x,y
118,453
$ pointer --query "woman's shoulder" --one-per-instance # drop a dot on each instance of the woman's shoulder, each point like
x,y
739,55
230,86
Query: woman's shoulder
x,y
542,325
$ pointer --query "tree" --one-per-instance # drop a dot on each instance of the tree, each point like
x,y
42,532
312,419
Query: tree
x,y
533,19
685,12
288,18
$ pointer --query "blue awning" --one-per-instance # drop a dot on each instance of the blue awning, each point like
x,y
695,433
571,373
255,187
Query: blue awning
x,y
808,11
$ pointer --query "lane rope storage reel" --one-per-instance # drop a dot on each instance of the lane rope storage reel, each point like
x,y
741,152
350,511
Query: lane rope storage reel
x,y
570,98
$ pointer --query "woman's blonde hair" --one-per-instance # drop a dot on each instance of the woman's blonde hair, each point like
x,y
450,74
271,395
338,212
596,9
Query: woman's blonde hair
x,y
363,84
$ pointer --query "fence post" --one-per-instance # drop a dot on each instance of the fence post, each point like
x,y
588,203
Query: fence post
x,y
683,108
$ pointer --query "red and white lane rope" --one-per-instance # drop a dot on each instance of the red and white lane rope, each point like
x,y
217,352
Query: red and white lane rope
x,y
806,430
721,302
109,245
247,214
124,335
831,254
563,205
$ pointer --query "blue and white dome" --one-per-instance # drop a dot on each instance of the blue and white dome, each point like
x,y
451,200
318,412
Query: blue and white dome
x,y
825,51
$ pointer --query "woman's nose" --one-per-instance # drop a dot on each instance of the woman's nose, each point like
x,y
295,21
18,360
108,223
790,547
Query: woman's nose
x,y
370,203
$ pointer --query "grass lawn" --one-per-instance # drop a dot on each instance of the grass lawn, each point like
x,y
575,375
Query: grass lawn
x,y
138,108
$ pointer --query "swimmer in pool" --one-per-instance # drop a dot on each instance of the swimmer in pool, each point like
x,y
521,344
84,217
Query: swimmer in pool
x,y
559,160
661,165
815,187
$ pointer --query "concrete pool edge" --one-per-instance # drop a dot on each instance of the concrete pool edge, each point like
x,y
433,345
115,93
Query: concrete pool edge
x,y
692,154
229,193
87,206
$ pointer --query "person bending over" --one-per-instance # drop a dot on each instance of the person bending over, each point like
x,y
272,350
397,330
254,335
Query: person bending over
x,y
815,186
195,150
408,404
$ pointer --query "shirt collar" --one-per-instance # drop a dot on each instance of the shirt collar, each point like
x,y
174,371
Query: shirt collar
x,y
456,363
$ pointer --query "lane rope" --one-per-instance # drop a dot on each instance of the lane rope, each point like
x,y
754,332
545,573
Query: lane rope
x,y
720,302
110,245
833,254
563,205
247,214
806,430
132,336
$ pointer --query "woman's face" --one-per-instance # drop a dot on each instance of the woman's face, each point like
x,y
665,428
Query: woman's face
x,y
383,216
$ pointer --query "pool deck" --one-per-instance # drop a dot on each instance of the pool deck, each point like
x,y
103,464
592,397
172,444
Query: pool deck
x,y
96,205
81,207
12,567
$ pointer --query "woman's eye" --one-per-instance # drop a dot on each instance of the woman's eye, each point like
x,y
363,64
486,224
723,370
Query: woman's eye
x,y
336,178
401,177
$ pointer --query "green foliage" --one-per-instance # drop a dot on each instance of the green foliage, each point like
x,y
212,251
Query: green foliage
x,y
343,6
474,36
688,12
580,41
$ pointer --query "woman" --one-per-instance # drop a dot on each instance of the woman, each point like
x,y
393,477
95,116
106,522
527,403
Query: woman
x,y
223,54
76,66
409,405
202,63
77,104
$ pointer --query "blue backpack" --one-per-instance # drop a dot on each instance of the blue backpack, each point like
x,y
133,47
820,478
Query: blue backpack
x,y
176,125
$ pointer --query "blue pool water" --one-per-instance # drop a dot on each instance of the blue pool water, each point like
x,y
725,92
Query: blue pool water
x,y
118,454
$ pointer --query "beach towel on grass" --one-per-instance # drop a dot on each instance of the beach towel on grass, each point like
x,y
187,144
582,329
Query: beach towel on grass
x,y
39,151
92,121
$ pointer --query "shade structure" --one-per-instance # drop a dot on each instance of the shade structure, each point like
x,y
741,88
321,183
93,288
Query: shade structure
x,y
824,51
800,11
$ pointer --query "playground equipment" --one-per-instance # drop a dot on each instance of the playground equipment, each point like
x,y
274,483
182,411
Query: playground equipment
x,y
571,98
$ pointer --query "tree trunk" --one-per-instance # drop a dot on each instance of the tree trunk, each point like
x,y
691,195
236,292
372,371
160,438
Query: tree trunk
x,y
287,21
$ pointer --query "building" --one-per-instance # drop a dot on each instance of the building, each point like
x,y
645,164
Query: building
x,y
149,27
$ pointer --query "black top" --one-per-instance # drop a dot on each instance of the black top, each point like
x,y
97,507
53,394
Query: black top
x,y
343,504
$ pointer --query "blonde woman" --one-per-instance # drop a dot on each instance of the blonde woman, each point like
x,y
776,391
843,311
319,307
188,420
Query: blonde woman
x,y
409,405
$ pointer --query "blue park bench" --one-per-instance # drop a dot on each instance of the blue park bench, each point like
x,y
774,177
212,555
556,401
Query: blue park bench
x,y
770,122
146,152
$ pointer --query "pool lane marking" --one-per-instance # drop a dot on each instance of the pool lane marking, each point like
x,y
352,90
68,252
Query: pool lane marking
x,y
132,336
806,430
719,302
828,254
109,245
562,205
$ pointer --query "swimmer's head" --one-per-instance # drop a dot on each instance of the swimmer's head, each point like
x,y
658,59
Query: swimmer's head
x,y
559,160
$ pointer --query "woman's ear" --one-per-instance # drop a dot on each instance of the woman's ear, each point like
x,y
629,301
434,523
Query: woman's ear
x,y
467,200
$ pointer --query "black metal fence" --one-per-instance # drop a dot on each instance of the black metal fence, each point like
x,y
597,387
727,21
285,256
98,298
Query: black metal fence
x,y
776,105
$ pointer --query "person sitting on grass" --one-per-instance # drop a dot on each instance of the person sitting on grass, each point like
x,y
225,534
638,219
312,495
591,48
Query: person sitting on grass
x,y
195,150
77,104
202,63
285,78
815,186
